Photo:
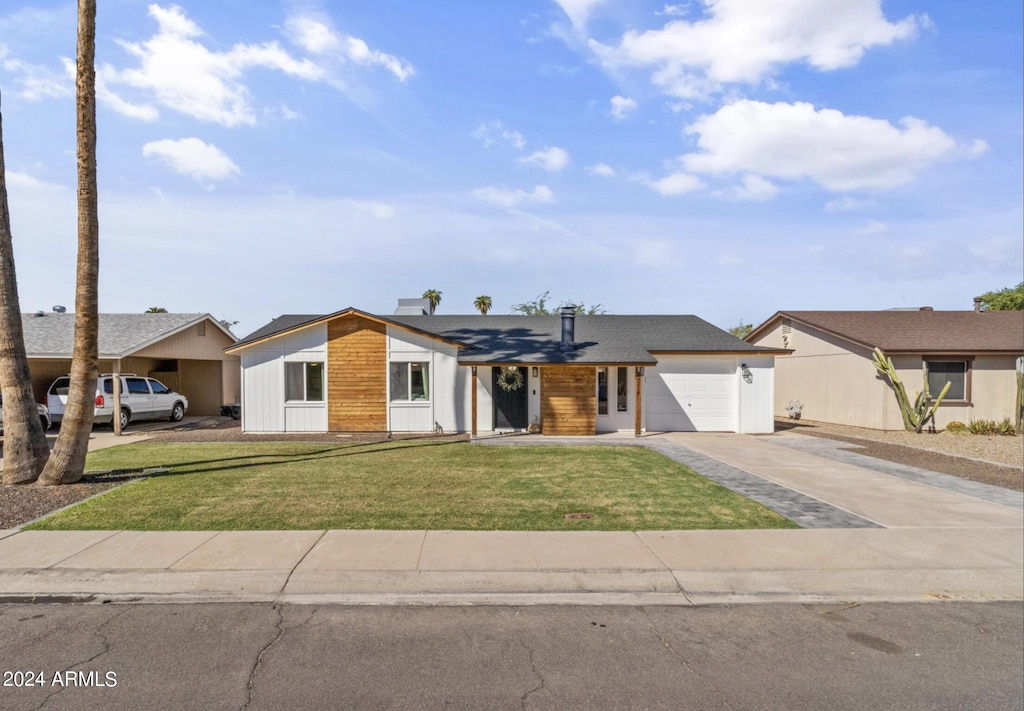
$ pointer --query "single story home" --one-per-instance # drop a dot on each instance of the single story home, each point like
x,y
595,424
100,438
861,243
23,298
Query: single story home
x,y
183,351
830,371
352,371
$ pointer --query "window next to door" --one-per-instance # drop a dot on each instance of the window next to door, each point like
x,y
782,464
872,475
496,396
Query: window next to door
x,y
304,382
621,390
956,372
602,391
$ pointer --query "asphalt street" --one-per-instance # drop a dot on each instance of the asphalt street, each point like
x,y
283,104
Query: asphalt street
x,y
935,655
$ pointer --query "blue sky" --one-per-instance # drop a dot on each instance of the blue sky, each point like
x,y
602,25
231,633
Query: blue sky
x,y
726,158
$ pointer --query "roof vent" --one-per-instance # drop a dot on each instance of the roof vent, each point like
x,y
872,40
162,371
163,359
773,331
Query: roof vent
x,y
927,308
40,313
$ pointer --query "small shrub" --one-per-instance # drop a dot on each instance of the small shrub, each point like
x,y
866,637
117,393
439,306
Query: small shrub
x,y
983,427
991,427
1006,427
956,426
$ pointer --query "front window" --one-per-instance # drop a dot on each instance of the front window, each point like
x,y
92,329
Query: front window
x,y
304,382
602,391
953,372
410,382
621,390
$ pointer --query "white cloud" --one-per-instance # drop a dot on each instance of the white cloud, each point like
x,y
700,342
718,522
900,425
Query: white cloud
x,y
622,107
192,157
503,197
676,184
745,41
976,148
796,141
848,204
180,73
754,188
602,169
728,259
373,208
38,82
553,158
16,179
873,227
578,10
490,132
318,37
677,10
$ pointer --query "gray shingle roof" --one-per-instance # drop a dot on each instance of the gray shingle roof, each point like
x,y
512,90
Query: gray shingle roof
x,y
53,335
536,339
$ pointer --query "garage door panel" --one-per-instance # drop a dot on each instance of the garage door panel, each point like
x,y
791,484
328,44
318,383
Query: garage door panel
x,y
687,395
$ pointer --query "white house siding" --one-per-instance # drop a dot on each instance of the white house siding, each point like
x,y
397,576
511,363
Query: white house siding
x,y
616,421
449,405
264,407
755,398
484,400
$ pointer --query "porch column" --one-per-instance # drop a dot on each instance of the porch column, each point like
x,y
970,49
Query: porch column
x,y
639,405
473,416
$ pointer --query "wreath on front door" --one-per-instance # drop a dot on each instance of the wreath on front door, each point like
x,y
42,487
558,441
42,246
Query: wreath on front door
x,y
510,379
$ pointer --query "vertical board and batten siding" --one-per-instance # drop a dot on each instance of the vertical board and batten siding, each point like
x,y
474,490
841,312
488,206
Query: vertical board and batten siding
x,y
616,421
449,404
568,396
485,399
756,398
264,407
357,382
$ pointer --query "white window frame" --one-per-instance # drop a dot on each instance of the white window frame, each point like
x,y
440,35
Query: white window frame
x,y
396,398
305,381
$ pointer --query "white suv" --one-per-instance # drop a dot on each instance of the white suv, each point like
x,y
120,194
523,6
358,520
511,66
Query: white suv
x,y
141,399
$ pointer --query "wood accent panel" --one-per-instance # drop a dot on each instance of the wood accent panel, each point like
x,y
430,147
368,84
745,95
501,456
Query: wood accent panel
x,y
568,400
357,372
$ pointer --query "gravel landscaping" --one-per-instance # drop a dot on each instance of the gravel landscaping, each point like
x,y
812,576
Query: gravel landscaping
x,y
955,454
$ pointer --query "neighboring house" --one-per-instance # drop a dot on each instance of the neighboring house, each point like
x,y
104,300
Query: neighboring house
x,y
830,371
352,371
183,351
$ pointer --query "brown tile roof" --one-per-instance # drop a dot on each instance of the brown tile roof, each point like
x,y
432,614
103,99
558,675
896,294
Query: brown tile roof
x,y
921,331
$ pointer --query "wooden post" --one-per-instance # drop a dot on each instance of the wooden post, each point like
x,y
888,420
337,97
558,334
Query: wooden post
x,y
473,416
116,380
638,404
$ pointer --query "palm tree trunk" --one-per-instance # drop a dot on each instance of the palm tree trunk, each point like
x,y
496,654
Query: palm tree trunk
x,y
67,463
25,450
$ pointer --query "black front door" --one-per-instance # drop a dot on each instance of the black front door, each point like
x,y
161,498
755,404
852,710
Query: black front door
x,y
509,389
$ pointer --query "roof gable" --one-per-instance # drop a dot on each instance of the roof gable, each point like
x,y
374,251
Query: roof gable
x,y
919,331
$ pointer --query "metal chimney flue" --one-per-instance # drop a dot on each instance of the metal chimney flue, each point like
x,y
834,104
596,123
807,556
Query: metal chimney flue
x,y
568,328
977,303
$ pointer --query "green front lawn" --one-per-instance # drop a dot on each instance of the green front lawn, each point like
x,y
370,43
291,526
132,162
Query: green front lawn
x,y
407,485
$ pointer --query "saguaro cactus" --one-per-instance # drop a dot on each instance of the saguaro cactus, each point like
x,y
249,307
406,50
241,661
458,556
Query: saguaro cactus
x,y
916,414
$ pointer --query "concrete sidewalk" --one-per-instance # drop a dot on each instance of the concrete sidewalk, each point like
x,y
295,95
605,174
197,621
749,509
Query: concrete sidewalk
x,y
930,543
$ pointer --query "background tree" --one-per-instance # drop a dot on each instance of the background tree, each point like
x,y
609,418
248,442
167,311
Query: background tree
x,y
742,330
539,307
434,296
482,304
1008,299
25,449
67,463
156,310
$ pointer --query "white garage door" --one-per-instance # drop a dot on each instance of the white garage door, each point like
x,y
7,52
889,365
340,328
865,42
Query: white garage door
x,y
691,395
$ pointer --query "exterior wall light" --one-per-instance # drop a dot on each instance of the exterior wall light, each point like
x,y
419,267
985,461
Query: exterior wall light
x,y
747,375
534,371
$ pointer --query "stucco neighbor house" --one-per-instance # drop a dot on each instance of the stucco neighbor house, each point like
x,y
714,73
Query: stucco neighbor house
x,y
183,351
561,375
830,371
